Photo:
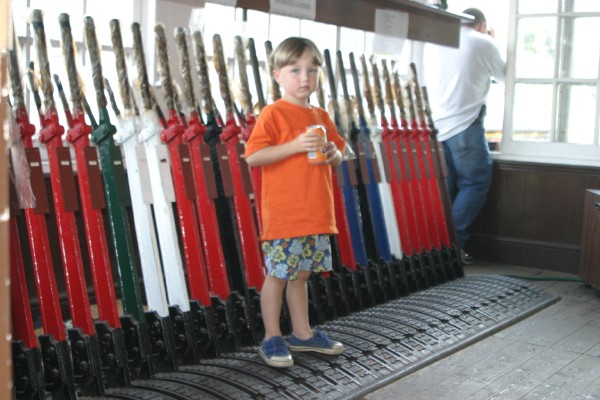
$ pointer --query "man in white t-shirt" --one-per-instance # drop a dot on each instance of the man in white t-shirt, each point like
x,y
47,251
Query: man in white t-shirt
x,y
458,81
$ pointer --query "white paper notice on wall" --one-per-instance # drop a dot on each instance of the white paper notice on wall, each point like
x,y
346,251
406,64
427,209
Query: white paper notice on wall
x,y
391,31
304,9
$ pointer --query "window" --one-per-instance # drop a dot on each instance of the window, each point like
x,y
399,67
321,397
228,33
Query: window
x,y
557,56
552,103
549,108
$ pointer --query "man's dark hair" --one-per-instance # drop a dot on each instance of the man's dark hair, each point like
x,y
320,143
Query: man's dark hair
x,y
475,13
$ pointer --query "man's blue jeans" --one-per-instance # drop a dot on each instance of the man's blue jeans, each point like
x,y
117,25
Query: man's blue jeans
x,y
469,176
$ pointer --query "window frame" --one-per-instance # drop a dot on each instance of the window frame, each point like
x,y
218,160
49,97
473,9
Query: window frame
x,y
549,152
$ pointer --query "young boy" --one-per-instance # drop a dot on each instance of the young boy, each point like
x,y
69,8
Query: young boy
x,y
297,200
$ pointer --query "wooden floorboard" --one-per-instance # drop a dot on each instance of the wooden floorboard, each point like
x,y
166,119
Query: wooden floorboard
x,y
554,354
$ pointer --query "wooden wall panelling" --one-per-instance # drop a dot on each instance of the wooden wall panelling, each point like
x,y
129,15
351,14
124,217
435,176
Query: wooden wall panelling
x,y
501,214
554,203
543,207
510,214
533,215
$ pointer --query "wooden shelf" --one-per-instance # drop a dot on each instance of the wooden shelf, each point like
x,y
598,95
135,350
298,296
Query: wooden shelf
x,y
426,24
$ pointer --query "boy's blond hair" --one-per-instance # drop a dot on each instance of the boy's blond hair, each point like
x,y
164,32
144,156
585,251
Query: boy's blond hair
x,y
291,49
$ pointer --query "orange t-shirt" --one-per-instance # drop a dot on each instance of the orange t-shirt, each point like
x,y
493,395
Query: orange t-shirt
x,y
297,197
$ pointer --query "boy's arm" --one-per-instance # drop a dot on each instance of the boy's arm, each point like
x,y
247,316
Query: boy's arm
x,y
307,141
271,154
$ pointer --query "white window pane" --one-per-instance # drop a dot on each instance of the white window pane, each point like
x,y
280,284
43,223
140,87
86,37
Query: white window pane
x,y
109,9
324,35
257,27
227,28
403,59
584,5
537,6
53,8
532,112
578,119
105,10
20,15
495,108
283,27
352,40
369,38
536,49
581,60
214,18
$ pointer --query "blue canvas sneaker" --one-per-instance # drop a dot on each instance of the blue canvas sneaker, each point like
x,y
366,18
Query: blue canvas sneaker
x,y
275,352
319,343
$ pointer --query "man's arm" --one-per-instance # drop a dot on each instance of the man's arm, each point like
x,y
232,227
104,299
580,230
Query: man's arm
x,y
496,63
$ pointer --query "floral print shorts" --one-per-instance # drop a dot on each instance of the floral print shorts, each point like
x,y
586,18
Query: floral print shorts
x,y
284,258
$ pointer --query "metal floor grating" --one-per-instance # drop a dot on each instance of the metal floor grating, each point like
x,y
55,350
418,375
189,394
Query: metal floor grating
x,y
383,343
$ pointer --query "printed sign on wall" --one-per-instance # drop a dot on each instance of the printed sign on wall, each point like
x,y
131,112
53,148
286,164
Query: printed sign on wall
x,y
391,31
304,9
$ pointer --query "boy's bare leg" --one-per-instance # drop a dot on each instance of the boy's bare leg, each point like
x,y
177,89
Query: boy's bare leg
x,y
297,302
271,300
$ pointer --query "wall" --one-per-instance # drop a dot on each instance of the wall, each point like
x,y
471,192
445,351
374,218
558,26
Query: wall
x,y
534,215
